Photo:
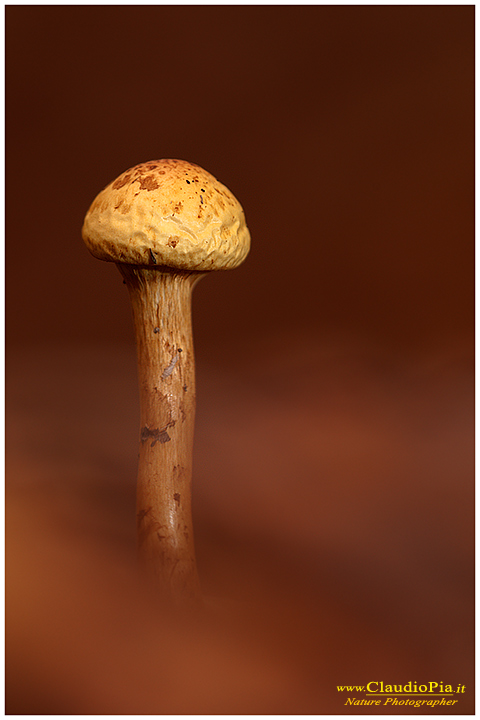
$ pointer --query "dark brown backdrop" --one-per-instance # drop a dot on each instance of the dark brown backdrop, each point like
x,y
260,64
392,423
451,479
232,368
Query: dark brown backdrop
x,y
345,131
334,426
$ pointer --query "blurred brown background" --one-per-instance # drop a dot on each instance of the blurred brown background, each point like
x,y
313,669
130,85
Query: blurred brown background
x,y
333,468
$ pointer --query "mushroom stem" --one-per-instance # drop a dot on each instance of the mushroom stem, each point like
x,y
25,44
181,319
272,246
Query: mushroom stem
x,y
161,302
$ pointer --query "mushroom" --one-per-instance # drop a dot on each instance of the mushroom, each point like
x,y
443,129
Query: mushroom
x,y
165,224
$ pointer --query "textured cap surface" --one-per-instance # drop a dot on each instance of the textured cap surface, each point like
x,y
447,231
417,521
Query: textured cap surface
x,y
167,212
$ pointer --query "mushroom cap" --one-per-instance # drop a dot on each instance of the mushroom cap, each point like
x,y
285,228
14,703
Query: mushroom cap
x,y
167,212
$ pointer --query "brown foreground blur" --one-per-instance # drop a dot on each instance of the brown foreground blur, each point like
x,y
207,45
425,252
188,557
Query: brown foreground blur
x,y
333,518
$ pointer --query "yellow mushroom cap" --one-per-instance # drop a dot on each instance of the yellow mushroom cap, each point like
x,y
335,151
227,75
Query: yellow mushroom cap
x,y
167,212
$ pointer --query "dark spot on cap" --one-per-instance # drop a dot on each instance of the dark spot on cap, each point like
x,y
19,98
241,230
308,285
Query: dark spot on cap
x,y
188,182
121,181
148,183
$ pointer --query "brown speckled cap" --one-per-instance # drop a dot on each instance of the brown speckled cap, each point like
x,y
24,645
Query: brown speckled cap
x,y
167,212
